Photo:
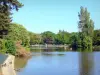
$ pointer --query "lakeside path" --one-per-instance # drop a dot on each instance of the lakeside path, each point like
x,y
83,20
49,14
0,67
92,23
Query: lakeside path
x,y
8,68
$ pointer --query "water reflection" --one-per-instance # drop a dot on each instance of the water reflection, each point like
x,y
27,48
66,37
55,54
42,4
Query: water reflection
x,y
44,62
50,50
86,63
20,62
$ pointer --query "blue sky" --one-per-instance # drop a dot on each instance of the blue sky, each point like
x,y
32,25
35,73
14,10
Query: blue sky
x,y
54,15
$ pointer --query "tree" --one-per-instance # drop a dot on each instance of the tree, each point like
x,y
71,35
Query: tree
x,y
4,21
86,28
34,38
48,37
73,41
62,37
86,25
6,6
18,33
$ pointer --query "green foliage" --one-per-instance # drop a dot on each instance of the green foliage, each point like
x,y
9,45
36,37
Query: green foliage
x,y
34,38
86,29
86,25
11,48
96,48
18,33
11,4
2,46
4,21
6,6
62,37
80,40
86,42
96,38
5,11
48,37
74,41
79,43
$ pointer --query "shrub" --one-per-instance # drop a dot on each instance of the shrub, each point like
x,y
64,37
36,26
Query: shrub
x,y
2,46
11,48
96,48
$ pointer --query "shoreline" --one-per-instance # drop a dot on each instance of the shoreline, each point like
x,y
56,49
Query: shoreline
x,y
8,66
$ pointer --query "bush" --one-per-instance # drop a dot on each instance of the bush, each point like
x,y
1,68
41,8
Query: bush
x,y
2,46
96,48
11,48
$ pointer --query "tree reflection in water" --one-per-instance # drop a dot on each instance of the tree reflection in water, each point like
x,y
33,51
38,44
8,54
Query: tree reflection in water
x,y
86,63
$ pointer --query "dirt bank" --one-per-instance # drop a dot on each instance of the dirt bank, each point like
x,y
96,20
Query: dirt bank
x,y
21,51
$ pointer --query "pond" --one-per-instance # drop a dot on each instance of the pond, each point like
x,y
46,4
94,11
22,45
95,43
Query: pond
x,y
59,63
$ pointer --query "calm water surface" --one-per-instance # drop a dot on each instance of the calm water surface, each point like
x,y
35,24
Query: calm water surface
x,y
60,63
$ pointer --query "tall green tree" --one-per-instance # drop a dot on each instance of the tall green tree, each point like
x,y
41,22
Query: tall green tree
x,y
6,6
86,25
86,28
